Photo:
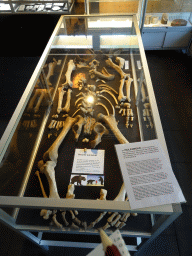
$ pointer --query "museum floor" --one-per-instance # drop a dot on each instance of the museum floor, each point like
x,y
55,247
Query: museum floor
x,y
172,81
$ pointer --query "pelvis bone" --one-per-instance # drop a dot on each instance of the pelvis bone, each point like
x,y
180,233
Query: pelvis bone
x,y
99,130
52,152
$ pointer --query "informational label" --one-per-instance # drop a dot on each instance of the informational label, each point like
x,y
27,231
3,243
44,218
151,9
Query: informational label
x,y
90,161
148,175
139,64
126,64
118,241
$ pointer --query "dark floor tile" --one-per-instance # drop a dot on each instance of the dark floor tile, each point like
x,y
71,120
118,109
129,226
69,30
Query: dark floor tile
x,y
183,226
179,144
183,174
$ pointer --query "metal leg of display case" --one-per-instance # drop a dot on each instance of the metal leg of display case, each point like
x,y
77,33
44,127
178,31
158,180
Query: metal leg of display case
x,y
87,7
160,225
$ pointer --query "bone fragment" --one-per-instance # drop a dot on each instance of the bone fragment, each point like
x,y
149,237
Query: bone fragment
x,y
72,215
89,122
94,64
117,224
70,192
73,226
85,140
92,224
55,116
134,214
121,96
64,219
78,100
113,109
84,224
115,220
99,130
110,63
125,217
107,225
77,127
52,152
32,101
36,108
124,110
112,123
101,104
51,71
110,219
54,124
60,100
41,184
77,221
56,222
108,87
48,170
122,225
67,104
104,74
144,97
71,67
120,61
76,112
45,214
128,88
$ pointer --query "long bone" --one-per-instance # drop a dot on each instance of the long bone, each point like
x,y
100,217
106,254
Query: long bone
x,y
67,104
100,130
44,212
51,67
77,127
32,101
121,96
120,61
112,123
48,170
60,100
128,88
103,194
36,108
52,152
70,68
110,93
104,74
110,63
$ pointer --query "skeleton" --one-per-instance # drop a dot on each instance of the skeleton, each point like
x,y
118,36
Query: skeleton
x,y
106,91
126,111
100,130
71,67
51,67
60,100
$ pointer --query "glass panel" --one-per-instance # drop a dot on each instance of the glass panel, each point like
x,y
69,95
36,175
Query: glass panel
x,y
113,6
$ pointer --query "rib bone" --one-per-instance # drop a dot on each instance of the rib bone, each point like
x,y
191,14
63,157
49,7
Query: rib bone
x,y
100,130
110,94
112,123
52,152
60,100
71,67
67,104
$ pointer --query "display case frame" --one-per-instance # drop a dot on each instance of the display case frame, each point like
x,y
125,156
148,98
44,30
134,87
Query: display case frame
x,y
168,212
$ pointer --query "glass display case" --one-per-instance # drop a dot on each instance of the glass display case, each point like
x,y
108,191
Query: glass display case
x,y
167,24
90,90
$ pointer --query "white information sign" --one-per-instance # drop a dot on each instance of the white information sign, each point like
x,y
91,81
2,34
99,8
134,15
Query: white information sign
x,y
89,162
147,174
